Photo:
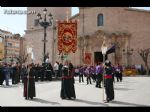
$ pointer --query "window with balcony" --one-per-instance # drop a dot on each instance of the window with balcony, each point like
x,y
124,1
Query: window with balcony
x,y
9,44
16,45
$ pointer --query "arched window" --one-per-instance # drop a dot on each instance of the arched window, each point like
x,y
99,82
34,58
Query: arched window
x,y
100,21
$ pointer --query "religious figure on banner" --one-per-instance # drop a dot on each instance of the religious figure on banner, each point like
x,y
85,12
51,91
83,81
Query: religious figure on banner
x,y
67,37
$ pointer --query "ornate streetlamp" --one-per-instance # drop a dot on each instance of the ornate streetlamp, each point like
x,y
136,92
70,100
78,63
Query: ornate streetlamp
x,y
44,24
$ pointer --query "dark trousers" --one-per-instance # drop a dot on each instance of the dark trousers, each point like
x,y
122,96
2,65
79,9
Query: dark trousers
x,y
7,79
81,78
48,75
19,77
89,80
99,79
1,79
94,77
14,79
119,77
113,75
36,76
42,77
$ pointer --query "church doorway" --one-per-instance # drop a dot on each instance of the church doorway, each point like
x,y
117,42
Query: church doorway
x,y
98,57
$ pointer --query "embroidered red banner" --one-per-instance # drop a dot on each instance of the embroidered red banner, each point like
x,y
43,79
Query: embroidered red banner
x,y
87,58
67,37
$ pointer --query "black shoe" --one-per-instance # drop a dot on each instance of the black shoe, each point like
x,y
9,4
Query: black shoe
x,y
69,98
106,101
74,98
111,99
31,98
63,98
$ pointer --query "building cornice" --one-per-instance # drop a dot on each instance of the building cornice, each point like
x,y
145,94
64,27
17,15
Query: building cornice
x,y
6,32
74,16
85,7
138,10
36,29
129,9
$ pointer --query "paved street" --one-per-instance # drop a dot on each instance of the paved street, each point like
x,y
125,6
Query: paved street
x,y
133,91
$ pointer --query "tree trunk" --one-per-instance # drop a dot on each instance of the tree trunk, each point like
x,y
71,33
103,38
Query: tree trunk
x,y
147,68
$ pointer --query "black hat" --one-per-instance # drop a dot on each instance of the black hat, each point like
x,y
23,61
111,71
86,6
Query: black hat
x,y
107,63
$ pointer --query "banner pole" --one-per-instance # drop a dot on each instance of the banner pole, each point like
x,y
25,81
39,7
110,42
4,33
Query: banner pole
x,y
103,76
28,83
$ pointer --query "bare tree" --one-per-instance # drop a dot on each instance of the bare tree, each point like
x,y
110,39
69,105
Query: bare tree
x,y
44,56
144,55
22,58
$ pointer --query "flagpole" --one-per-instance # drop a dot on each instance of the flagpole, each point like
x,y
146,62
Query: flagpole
x,y
67,15
103,75
28,83
29,52
27,72
104,51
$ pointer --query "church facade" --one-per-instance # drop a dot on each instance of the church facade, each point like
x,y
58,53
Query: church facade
x,y
126,28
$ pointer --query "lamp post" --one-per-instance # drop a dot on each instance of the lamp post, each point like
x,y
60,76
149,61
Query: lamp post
x,y
104,50
44,24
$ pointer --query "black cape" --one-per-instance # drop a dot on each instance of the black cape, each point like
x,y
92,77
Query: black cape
x,y
67,85
109,88
29,85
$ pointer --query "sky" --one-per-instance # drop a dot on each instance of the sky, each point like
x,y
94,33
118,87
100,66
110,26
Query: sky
x,y
17,23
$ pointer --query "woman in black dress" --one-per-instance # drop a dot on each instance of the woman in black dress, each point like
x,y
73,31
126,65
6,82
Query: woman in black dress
x,y
108,77
29,83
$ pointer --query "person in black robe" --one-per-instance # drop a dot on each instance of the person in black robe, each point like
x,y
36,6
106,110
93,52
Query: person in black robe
x,y
14,73
1,75
71,72
42,73
109,89
49,72
36,72
67,83
29,83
